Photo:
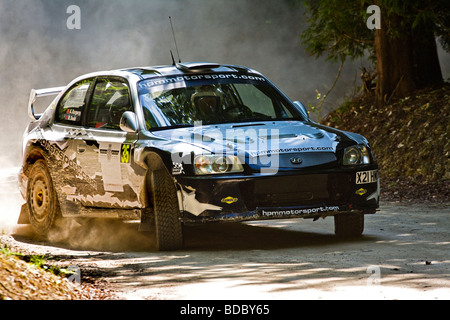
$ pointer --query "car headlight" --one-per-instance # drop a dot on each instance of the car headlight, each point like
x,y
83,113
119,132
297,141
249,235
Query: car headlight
x,y
358,154
212,164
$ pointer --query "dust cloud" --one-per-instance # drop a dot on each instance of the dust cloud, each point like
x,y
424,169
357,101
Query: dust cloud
x,y
10,199
100,234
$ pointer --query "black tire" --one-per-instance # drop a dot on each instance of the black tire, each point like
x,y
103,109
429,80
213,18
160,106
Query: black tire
x,y
43,205
168,227
349,224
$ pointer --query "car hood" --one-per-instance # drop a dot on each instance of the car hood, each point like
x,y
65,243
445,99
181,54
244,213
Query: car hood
x,y
259,139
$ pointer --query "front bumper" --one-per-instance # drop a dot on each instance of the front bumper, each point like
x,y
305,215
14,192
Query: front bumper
x,y
284,195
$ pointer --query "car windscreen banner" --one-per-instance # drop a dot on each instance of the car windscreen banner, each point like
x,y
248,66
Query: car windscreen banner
x,y
180,81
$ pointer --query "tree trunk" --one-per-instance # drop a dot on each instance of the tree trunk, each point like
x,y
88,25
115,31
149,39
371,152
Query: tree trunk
x,y
406,61
395,72
427,68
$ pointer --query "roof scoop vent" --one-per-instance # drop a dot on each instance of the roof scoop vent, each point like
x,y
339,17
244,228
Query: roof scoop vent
x,y
196,66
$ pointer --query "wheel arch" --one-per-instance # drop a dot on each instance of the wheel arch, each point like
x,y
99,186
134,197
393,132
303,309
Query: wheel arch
x,y
154,159
34,154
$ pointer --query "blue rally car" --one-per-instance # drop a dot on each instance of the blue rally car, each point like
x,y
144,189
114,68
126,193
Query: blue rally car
x,y
189,143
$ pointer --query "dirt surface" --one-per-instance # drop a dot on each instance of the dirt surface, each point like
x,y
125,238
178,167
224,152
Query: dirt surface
x,y
404,254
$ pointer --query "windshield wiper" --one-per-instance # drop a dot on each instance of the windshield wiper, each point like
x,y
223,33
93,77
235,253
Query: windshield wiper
x,y
248,125
262,122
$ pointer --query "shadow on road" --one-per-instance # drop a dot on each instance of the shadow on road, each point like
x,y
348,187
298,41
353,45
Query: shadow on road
x,y
238,236
116,236
292,258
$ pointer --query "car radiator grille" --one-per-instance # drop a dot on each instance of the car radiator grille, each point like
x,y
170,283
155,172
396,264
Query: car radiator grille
x,y
296,190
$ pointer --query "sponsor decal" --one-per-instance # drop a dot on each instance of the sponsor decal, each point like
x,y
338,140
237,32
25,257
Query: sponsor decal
x,y
296,211
293,149
72,115
177,168
229,200
361,191
66,161
164,81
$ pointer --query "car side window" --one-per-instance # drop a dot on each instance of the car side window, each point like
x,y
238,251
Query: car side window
x,y
111,98
71,105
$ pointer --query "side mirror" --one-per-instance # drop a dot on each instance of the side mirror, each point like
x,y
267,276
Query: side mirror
x,y
128,122
302,109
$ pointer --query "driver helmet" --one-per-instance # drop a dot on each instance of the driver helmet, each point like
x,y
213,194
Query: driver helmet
x,y
207,99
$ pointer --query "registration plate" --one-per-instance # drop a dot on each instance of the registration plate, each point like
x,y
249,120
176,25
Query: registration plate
x,y
363,177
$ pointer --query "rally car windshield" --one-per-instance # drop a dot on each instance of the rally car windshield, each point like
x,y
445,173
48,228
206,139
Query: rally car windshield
x,y
212,99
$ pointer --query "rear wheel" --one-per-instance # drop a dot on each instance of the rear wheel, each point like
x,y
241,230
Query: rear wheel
x,y
349,224
168,227
43,206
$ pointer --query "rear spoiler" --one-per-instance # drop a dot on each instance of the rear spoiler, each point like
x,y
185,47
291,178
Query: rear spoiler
x,y
40,93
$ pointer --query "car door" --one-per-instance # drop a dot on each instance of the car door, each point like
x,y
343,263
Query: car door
x,y
105,151
70,177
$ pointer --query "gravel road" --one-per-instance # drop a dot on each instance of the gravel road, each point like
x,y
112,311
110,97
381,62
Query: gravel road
x,y
403,254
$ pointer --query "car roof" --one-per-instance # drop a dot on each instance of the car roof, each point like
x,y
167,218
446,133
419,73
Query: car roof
x,y
187,68
174,70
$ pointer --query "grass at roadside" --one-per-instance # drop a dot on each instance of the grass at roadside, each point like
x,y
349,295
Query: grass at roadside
x,y
25,277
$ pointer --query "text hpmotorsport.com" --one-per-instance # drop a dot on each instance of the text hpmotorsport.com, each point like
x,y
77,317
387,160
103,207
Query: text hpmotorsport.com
x,y
297,211
179,79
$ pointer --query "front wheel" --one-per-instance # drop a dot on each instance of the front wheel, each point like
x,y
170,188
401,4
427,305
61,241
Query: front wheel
x,y
349,224
43,206
168,227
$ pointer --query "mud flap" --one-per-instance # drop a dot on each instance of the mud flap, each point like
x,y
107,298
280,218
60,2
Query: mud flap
x,y
24,217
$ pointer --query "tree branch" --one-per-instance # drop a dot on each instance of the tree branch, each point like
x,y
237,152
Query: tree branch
x,y
322,99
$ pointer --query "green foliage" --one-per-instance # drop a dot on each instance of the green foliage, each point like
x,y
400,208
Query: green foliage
x,y
338,28
316,110
39,261
7,251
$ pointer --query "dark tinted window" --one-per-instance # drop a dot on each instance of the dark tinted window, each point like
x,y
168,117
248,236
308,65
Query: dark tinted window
x,y
110,100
